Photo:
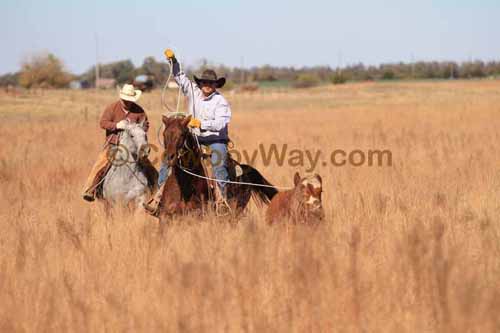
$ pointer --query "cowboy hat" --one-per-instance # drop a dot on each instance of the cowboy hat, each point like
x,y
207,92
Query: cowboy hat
x,y
128,93
209,75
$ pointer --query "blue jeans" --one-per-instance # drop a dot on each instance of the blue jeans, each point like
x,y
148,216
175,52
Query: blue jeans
x,y
162,176
219,166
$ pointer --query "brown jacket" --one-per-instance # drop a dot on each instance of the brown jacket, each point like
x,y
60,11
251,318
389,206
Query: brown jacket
x,y
116,112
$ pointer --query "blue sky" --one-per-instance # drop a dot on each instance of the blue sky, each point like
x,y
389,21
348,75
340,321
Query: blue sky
x,y
288,33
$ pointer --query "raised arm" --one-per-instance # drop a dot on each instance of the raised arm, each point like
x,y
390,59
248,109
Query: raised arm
x,y
188,88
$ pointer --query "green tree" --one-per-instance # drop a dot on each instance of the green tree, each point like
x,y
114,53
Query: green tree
x,y
388,75
122,71
159,70
338,78
306,81
11,79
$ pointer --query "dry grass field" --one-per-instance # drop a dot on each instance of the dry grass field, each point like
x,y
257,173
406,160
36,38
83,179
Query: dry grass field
x,y
412,247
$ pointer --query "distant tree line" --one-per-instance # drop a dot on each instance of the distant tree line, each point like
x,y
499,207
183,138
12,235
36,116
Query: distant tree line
x,y
360,72
47,71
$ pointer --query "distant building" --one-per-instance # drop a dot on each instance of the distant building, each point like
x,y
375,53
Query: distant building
x,y
75,85
144,82
106,83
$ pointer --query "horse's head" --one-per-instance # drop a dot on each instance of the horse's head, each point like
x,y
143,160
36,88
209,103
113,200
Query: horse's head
x,y
174,136
135,140
308,191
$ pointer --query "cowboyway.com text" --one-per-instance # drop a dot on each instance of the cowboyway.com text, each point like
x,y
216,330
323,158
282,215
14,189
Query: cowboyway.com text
x,y
309,159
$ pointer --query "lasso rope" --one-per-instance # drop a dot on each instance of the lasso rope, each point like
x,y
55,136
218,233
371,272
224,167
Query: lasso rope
x,y
232,182
165,87
170,111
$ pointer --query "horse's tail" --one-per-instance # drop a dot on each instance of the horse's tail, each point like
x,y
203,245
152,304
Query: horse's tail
x,y
261,194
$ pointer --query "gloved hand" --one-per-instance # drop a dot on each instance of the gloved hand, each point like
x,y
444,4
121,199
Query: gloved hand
x,y
122,124
169,54
196,123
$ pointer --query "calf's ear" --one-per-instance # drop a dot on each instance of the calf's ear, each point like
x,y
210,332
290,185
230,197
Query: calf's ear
x,y
319,178
296,179
165,119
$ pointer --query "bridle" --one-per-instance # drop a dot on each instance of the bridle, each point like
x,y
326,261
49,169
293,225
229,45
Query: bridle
x,y
181,149
128,162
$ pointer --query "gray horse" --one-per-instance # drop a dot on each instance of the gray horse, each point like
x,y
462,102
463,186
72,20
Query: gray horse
x,y
126,183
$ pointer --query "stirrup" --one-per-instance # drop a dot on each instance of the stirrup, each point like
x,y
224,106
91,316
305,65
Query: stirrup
x,y
222,207
150,208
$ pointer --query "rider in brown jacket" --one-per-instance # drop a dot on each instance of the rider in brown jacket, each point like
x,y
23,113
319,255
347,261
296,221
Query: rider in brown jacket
x,y
114,118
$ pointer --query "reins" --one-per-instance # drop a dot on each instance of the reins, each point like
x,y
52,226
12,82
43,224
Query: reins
x,y
126,163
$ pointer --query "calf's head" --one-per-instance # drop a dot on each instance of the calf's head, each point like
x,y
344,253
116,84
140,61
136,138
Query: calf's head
x,y
308,191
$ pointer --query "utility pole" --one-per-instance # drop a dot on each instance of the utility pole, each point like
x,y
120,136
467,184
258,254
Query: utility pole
x,y
242,71
340,63
96,61
412,66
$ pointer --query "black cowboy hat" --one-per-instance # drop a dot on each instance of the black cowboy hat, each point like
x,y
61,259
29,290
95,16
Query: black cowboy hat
x,y
209,75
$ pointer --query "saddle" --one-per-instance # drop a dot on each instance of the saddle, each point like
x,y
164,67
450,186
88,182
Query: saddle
x,y
234,171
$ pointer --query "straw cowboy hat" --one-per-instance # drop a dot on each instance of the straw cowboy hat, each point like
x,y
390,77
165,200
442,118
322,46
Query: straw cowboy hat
x,y
129,93
209,76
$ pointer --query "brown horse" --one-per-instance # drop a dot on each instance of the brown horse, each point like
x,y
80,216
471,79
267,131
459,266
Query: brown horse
x,y
302,204
184,192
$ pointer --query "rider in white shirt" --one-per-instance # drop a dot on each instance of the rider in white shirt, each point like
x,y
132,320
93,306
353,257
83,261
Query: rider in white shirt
x,y
210,115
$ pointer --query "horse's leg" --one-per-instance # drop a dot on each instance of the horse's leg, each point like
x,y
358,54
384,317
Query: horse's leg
x,y
162,226
164,221
202,204
107,209
239,199
139,204
194,207
130,201
130,207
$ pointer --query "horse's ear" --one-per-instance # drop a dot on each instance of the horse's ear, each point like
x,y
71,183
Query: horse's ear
x,y
165,119
319,178
296,179
186,121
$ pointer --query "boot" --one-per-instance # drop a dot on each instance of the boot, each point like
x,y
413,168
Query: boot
x,y
89,195
222,207
153,205
99,170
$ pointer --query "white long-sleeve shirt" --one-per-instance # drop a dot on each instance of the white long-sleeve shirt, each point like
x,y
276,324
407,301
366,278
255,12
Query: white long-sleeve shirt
x,y
213,111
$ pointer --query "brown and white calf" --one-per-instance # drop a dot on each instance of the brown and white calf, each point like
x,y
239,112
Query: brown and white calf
x,y
302,204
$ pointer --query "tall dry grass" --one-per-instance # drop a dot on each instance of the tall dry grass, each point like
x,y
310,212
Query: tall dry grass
x,y
410,248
